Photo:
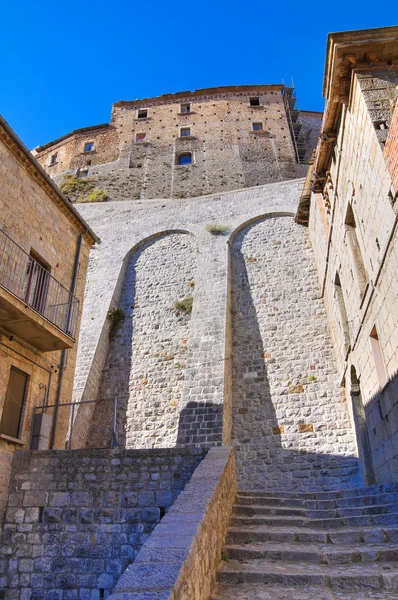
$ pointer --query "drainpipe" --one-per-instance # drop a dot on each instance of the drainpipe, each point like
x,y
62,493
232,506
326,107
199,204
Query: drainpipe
x,y
64,352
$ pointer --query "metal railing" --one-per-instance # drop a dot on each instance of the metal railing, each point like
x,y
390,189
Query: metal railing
x,y
75,425
22,275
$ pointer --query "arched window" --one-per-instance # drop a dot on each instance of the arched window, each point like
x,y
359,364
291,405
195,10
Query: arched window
x,y
185,158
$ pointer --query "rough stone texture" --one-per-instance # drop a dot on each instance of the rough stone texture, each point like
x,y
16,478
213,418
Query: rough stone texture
x,y
76,519
146,360
34,217
367,295
227,153
179,560
283,369
205,403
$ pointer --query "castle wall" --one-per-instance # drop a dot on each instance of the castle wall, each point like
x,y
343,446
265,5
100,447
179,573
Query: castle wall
x,y
227,153
147,357
290,419
367,268
159,263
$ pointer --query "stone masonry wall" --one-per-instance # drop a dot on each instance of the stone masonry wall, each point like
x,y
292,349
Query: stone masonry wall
x,y
146,360
360,177
291,426
227,153
76,519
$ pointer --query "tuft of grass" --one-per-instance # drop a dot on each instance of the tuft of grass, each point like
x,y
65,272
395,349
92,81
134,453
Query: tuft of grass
x,y
184,306
75,187
116,316
224,556
216,229
97,195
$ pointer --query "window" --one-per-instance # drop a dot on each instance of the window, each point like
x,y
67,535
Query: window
x,y
140,137
83,173
255,101
185,131
142,113
54,159
184,159
10,423
378,358
185,108
88,146
257,127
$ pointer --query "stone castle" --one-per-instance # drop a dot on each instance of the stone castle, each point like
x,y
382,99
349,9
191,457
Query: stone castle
x,y
239,332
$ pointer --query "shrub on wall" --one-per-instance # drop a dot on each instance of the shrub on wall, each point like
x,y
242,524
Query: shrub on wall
x,y
184,306
216,229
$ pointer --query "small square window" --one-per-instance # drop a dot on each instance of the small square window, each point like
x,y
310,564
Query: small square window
x,y
185,159
185,131
83,173
54,159
140,137
185,108
142,113
255,101
257,127
88,146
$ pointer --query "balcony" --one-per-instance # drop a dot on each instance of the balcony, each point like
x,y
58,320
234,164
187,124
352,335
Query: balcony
x,y
33,305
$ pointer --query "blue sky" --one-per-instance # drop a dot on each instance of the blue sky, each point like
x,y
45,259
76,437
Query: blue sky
x,y
65,63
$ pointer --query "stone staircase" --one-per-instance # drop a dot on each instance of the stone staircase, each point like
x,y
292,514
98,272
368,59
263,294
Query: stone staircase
x,y
320,546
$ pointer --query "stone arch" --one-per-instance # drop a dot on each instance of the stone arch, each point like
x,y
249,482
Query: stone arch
x,y
146,359
285,391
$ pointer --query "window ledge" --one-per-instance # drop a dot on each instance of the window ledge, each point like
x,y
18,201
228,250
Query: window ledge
x,y
13,440
88,152
185,114
137,120
53,164
259,106
186,137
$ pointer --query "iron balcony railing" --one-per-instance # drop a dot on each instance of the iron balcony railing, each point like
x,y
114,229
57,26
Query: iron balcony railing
x,y
31,282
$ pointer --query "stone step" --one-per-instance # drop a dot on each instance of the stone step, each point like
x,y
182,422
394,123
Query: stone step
x,y
366,500
323,524
331,495
371,576
281,592
259,510
316,553
364,535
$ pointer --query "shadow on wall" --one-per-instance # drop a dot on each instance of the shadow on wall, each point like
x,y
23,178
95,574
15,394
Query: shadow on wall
x,y
289,431
381,413
146,359
196,418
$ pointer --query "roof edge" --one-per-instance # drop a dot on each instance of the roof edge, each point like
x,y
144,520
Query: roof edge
x,y
44,177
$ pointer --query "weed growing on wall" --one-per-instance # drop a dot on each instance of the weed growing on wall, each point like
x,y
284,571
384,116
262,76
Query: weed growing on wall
x,y
184,306
216,229
116,316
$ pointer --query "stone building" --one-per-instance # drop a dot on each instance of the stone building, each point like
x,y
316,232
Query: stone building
x,y
44,248
351,212
239,332
190,144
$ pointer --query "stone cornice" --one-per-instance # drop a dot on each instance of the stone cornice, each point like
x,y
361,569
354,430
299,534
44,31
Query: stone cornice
x,y
37,173
196,94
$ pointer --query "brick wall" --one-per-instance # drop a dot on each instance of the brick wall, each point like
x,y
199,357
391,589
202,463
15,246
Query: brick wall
x,y
76,519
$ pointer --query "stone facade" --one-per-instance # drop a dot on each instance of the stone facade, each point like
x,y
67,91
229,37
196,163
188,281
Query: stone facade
x,y
353,229
35,218
76,519
232,144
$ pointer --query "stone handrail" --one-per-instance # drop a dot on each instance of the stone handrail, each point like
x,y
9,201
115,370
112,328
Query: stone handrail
x,y
179,560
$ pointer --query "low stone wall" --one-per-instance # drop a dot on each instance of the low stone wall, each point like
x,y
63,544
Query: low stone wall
x,y
76,519
179,560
